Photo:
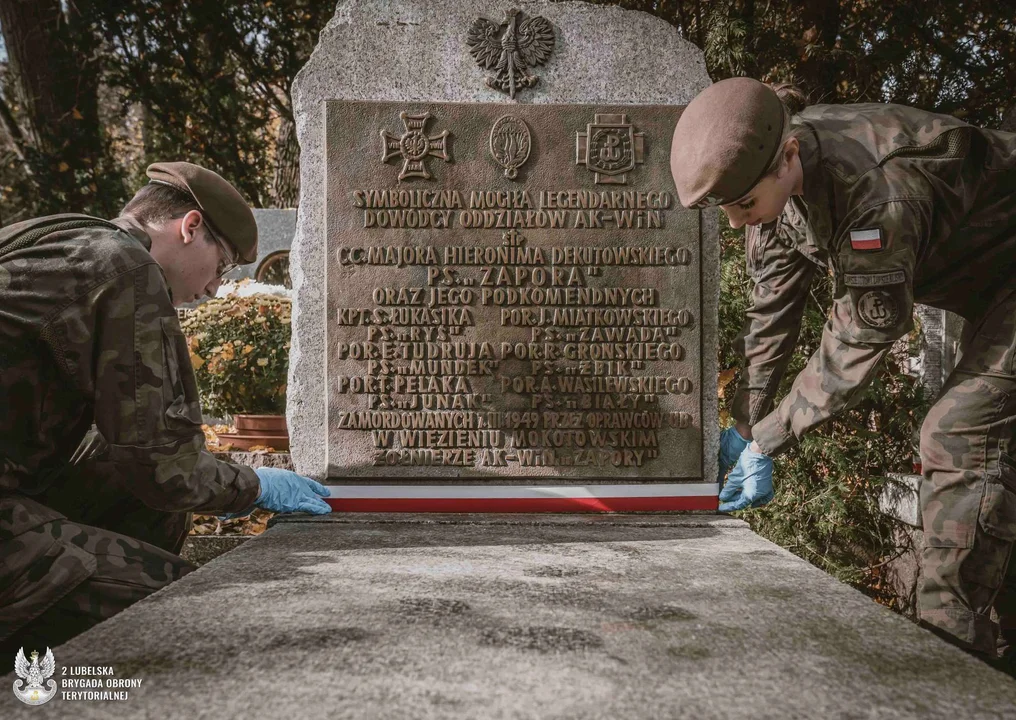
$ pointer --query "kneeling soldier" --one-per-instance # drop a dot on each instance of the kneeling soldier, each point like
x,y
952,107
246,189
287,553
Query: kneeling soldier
x,y
102,455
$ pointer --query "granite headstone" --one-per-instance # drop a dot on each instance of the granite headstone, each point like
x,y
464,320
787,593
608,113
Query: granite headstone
x,y
276,228
500,304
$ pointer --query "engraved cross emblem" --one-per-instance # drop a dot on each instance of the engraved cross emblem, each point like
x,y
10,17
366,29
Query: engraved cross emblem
x,y
414,146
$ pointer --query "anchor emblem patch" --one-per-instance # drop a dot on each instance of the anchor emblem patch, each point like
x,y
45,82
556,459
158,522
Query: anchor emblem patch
x,y
878,308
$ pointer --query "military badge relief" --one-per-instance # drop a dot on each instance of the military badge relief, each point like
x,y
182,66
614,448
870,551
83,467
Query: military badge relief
x,y
610,148
35,686
414,146
510,143
511,49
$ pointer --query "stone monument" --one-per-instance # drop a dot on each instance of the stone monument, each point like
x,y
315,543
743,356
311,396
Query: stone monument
x,y
500,304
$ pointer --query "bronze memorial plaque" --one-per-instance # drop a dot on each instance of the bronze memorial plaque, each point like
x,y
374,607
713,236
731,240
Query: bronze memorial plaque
x,y
514,297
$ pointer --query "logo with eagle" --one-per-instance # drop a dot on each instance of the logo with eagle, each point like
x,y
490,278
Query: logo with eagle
x,y
34,687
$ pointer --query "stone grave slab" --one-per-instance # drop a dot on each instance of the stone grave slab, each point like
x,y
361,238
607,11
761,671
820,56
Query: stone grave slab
x,y
495,616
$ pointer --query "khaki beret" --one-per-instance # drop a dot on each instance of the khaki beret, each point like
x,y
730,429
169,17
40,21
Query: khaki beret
x,y
225,208
724,141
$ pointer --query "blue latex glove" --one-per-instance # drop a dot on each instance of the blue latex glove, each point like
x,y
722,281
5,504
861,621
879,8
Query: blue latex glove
x,y
285,491
750,483
731,447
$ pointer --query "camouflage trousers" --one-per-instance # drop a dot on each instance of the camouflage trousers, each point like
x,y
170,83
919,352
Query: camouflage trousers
x,y
968,496
79,554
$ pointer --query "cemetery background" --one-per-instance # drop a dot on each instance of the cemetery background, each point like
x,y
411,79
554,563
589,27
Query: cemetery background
x,y
92,92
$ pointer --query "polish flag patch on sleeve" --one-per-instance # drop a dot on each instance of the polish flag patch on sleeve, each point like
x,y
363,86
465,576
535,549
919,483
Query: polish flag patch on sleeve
x,y
867,240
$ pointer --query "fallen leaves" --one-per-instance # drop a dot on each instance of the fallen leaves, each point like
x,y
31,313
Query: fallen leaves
x,y
212,433
255,524
723,380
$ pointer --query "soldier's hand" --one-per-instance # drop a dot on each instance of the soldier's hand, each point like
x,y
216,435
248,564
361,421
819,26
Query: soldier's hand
x,y
731,447
285,491
750,483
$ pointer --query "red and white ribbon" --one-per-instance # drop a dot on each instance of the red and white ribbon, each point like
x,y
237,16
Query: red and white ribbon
x,y
524,498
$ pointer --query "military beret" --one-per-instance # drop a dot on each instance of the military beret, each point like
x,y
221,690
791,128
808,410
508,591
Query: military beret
x,y
724,142
225,208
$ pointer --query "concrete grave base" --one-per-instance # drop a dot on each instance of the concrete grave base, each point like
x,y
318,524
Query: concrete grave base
x,y
619,616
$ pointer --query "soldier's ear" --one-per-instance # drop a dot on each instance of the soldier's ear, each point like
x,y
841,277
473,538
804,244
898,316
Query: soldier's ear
x,y
189,225
791,149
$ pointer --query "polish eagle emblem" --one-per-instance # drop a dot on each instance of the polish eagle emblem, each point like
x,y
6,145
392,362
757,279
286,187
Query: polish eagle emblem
x,y
34,687
511,49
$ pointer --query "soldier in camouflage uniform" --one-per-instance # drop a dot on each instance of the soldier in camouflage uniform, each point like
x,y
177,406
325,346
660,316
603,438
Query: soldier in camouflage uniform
x,y
900,205
102,456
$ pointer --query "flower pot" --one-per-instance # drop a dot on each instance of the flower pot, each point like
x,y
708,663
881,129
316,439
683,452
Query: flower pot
x,y
268,424
254,430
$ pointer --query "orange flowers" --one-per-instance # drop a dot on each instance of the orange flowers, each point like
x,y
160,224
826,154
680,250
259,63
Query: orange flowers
x,y
239,347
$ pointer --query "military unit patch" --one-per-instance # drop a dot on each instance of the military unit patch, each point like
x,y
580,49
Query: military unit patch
x,y
877,279
878,308
867,240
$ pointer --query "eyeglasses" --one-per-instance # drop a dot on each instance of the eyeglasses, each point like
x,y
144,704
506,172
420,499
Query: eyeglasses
x,y
228,262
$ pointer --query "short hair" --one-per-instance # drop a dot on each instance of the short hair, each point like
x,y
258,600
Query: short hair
x,y
157,202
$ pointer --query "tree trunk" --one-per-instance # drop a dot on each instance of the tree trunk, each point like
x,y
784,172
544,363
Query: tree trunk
x,y
28,29
53,63
286,182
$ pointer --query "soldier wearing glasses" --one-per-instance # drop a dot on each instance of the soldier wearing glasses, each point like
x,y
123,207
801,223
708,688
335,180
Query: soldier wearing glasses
x,y
102,456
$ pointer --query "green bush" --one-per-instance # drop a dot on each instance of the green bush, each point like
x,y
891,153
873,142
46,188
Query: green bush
x,y
240,351
827,489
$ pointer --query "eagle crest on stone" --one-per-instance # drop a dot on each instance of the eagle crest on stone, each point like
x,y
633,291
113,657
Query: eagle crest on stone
x,y
511,49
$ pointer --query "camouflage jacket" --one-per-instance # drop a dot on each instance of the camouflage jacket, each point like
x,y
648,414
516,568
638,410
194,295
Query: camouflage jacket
x,y
89,334
901,205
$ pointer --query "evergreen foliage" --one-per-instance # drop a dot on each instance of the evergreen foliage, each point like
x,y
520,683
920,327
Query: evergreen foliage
x,y
95,90
940,55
